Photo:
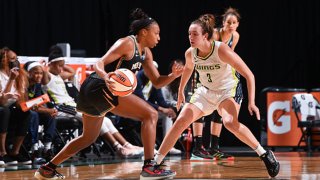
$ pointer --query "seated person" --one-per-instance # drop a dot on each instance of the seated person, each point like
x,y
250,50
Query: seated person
x,y
41,114
12,90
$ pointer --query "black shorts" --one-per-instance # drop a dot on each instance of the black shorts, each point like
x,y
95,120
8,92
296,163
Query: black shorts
x,y
95,99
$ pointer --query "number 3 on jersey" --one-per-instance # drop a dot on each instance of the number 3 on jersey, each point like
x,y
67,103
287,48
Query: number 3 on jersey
x,y
209,77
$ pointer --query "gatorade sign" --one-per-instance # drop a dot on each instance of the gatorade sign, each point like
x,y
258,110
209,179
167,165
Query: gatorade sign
x,y
282,125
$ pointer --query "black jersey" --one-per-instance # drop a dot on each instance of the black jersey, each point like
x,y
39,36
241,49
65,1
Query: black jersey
x,y
134,64
95,98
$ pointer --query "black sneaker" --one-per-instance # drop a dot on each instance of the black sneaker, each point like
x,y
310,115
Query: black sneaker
x,y
37,158
201,153
271,163
45,172
8,160
154,171
218,155
21,159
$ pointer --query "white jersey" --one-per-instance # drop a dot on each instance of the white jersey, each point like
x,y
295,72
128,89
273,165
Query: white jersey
x,y
56,88
4,79
213,73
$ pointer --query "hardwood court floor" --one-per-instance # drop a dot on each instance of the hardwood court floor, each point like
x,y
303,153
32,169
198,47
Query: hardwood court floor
x,y
294,165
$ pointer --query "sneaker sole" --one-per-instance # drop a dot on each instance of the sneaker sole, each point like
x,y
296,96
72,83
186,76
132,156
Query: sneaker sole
x,y
37,175
159,177
193,157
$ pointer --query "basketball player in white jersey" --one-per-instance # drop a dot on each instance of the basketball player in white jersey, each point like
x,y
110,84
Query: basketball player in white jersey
x,y
216,64
229,35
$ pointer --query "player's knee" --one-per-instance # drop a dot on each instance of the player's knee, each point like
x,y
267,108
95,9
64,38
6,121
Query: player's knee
x,y
181,124
151,116
228,122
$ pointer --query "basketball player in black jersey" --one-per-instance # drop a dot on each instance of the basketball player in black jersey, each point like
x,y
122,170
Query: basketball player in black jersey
x,y
95,98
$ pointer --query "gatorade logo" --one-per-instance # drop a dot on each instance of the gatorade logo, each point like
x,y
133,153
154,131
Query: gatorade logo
x,y
279,117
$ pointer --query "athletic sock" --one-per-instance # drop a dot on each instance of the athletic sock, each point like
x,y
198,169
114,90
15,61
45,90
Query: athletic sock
x,y
260,150
197,142
158,158
214,141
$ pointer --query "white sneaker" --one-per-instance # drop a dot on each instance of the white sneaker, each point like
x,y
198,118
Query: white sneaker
x,y
175,151
127,152
140,150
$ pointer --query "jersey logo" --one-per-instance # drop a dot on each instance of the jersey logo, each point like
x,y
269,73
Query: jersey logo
x,y
204,68
136,66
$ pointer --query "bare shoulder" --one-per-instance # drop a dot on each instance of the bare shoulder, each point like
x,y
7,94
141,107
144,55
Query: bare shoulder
x,y
215,34
125,41
123,46
223,49
236,35
188,51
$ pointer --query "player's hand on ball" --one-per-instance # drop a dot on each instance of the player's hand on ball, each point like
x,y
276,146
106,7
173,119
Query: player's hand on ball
x,y
109,83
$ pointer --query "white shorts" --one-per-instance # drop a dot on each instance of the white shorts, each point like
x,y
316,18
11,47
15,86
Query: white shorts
x,y
208,100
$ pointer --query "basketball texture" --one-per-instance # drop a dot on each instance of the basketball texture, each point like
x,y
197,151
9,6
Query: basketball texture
x,y
125,82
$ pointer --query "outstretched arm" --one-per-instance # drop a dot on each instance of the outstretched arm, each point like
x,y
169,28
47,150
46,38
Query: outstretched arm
x,y
227,55
152,73
187,71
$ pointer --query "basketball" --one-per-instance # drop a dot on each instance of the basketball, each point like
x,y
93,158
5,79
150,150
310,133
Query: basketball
x,y
125,82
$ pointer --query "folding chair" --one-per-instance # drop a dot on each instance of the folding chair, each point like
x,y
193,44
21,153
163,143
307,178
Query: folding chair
x,y
306,109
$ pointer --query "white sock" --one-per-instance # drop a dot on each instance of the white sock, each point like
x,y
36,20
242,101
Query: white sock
x,y
117,145
259,150
35,147
158,158
47,146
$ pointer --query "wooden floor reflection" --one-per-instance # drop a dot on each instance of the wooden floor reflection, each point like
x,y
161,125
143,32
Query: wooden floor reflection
x,y
293,166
